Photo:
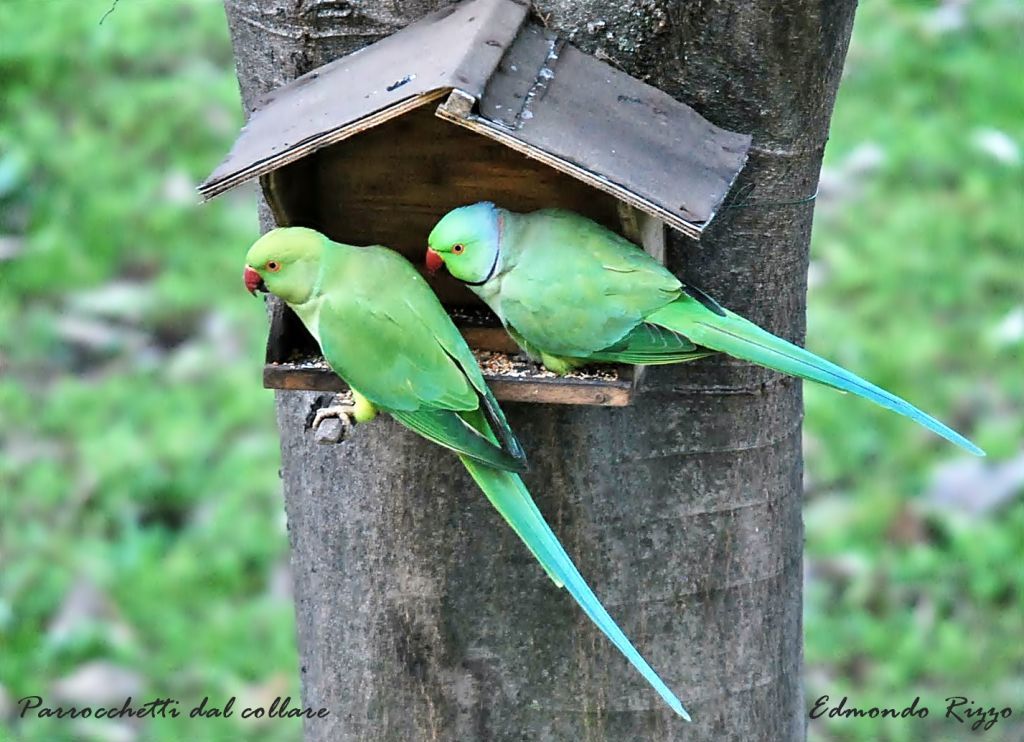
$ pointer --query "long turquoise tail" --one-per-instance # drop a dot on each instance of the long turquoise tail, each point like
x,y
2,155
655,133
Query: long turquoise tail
x,y
509,495
726,331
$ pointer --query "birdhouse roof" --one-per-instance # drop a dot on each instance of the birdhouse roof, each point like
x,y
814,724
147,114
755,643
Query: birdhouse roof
x,y
510,79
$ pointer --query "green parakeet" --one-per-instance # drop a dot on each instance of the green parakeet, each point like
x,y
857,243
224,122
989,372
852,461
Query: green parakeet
x,y
571,292
383,331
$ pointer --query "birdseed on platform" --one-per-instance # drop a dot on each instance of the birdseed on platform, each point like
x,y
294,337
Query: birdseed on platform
x,y
494,363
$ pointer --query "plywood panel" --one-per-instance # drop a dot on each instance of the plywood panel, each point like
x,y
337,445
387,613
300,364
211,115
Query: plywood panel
x,y
456,46
392,184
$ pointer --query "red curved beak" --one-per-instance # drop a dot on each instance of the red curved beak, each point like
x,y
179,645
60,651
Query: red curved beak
x,y
253,281
433,261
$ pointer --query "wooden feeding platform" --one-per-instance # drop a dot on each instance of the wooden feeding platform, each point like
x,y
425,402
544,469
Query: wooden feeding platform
x,y
475,102
511,376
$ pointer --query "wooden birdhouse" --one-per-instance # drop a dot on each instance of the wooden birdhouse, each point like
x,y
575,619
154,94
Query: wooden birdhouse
x,y
475,102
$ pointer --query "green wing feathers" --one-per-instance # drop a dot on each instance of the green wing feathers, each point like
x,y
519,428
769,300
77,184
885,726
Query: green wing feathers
x,y
651,345
499,425
451,430
720,329
577,288
383,330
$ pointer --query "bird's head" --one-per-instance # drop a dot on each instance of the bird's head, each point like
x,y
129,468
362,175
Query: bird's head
x,y
285,262
467,241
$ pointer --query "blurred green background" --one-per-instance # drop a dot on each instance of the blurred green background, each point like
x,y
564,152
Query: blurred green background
x,y
142,541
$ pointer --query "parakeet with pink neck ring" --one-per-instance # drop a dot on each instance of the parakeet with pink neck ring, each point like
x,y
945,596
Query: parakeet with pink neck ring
x,y
571,292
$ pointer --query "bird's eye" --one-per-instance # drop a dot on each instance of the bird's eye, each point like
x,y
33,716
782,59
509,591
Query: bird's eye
x,y
273,266
457,248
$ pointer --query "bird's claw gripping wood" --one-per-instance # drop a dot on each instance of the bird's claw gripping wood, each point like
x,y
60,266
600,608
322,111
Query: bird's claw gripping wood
x,y
333,424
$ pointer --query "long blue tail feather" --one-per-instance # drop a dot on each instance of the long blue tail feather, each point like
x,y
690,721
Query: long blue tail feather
x,y
739,337
510,497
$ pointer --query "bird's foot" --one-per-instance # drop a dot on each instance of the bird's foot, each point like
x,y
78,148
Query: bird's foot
x,y
333,424
557,365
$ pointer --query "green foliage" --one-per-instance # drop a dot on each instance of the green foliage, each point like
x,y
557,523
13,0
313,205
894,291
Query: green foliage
x,y
138,451
138,454
918,251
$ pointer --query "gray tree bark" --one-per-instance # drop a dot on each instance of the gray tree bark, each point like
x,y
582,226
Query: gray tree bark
x,y
420,615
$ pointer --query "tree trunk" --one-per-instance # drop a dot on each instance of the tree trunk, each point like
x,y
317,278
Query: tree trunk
x,y
420,615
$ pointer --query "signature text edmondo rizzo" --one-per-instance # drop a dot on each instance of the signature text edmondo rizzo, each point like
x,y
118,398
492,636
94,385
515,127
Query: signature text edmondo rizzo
x,y
958,708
